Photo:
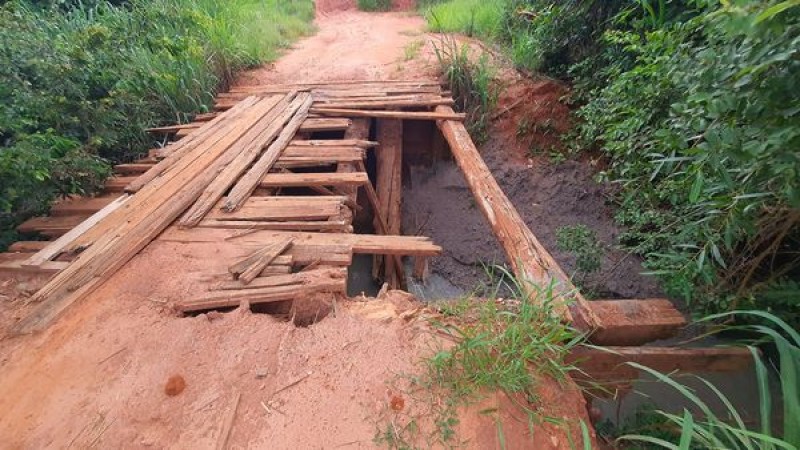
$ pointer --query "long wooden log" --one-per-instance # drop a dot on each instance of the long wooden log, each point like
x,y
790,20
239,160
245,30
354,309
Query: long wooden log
x,y
407,115
529,260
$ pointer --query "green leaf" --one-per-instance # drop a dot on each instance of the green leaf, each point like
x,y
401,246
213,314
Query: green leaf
x,y
776,9
697,187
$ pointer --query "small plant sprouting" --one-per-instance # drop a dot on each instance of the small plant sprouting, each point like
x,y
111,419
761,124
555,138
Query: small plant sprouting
x,y
581,242
411,50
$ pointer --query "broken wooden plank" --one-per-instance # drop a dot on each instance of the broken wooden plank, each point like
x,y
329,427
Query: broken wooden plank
x,y
388,187
59,245
263,260
136,223
14,263
405,115
226,299
313,179
305,277
253,143
312,125
250,180
346,142
132,168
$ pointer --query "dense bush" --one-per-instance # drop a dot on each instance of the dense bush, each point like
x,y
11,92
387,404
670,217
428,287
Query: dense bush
x,y
695,104
81,80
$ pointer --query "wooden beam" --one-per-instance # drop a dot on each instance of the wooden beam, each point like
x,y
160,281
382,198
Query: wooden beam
x,y
136,223
406,115
226,299
388,187
28,246
82,205
635,322
312,125
313,179
529,260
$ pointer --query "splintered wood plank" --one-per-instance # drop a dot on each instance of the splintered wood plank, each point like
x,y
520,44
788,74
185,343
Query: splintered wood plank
x,y
173,128
635,322
208,134
313,179
283,208
230,298
346,153
253,143
406,115
311,125
387,103
284,280
59,245
250,180
264,259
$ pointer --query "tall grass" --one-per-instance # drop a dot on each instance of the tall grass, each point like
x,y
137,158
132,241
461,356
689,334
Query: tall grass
x,y
705,429
471,17
80,83
471,82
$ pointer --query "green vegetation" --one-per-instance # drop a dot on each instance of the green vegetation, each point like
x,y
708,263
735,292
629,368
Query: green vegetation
x,y
471,83
471,17
501,344
81,80
581,242
374,5
705,429
693,102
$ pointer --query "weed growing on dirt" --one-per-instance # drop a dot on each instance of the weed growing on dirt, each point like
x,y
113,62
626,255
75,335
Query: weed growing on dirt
x,y
411,50
374,5
472,85
471,17
500,345
582,243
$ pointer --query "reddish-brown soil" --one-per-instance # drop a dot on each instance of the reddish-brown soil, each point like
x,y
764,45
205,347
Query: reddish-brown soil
x,y
108,373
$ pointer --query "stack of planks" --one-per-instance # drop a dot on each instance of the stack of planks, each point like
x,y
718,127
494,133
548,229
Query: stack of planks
x,y
249,168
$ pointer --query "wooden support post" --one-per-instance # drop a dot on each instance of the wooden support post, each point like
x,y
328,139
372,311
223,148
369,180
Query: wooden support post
x,y
529,260
359,130
389,190
421,268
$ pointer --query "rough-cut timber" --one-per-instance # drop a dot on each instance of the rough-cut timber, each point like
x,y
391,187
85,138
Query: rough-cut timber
x,y
530,261
635,322
408,115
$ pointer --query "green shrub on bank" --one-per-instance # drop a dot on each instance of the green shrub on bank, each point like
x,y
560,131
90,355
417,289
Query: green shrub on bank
x,y
695,104
80,83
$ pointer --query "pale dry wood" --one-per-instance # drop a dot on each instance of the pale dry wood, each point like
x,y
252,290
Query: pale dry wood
x,y
132,168
406,115
313,179
250,180
388,189
360,243
311,125
226,299
347,142
28,246
635,322
304,277
207,134
253,143
264,259
51,226
289,225
56,247
82,205
388,104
